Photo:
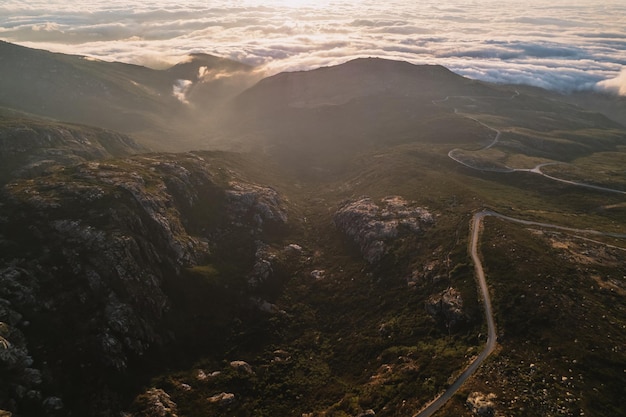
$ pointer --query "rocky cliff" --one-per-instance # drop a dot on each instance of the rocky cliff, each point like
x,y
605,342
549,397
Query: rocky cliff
x,y
89,257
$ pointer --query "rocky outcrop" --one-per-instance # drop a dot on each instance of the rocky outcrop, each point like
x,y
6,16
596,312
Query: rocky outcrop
x,y
447,306
89,251
17,372
223,398
255,204
481,404
154,403
262,270
29,147
371,226
242,366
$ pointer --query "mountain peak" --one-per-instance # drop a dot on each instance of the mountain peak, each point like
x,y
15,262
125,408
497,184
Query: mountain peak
x,y
359,77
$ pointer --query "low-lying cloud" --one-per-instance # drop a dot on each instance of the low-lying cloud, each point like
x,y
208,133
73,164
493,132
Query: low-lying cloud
x,y
180,89
560,46
615,85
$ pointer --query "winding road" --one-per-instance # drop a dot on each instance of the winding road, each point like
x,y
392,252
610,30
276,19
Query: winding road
x,y
477,220
506,169
435,405
537,170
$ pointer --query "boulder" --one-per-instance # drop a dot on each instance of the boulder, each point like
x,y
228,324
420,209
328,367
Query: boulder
x,y
255,205
481,404
154,403
223,399
242,366
447,306
318,274
262,269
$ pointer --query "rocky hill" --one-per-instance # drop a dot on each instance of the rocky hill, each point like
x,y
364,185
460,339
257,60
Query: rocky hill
x,y
30,146
90,255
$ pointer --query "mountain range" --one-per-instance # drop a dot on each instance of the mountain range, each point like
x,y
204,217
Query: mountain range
x,y
202,240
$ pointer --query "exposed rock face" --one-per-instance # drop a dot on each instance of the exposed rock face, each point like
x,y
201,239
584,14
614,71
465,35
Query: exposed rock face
x,y
448,306
29,147
481,404
256,204
17,374
89,251
371,225
223,398
262,269
154,403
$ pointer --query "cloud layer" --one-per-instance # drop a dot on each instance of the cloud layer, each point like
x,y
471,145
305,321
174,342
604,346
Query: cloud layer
x,y
562,45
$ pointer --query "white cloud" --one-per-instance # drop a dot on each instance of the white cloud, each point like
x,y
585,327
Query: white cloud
x,y
562,45
180,90
615,85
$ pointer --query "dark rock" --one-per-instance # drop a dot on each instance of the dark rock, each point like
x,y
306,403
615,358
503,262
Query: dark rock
x,y
52,404
255,204
481,404
448,306
262,269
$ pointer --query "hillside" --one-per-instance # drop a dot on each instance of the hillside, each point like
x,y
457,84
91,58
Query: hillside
x,y
323,269
31,146
313,121
127,98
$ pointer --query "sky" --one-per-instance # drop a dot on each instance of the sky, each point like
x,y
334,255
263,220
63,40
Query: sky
x,y
565,45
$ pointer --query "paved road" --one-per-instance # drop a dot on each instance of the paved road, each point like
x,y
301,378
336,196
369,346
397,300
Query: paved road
x,y
434,406
535,170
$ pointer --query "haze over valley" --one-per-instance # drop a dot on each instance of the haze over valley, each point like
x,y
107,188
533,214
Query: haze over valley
x,y
297,208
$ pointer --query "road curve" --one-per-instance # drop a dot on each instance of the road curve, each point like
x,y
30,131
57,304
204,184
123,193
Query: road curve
x,y
477,219
476,224
494,142
436,404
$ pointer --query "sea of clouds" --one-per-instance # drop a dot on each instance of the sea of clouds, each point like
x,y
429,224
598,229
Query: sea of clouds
x,y
565,45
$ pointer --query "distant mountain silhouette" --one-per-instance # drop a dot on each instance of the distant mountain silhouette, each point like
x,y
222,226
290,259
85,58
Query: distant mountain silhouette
x,y
114,95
